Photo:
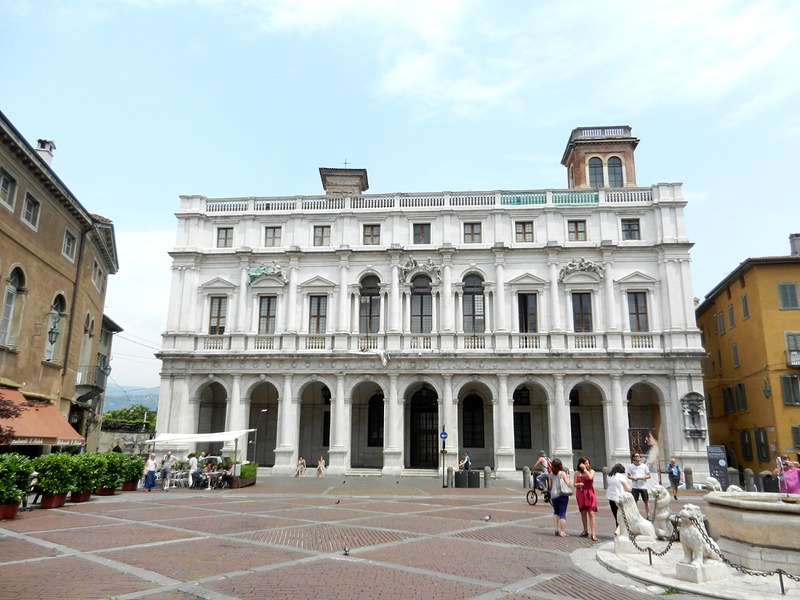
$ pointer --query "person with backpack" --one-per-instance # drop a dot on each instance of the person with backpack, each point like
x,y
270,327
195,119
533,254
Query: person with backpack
x,y
540,469
674,472
466,463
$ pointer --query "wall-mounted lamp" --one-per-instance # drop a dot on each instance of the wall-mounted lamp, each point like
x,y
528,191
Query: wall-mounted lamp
x,y
53,332
107,369
767,389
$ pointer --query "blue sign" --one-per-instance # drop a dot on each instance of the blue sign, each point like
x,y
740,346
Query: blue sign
x,y
443,435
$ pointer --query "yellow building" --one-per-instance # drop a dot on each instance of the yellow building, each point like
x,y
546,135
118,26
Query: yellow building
x,y
751,331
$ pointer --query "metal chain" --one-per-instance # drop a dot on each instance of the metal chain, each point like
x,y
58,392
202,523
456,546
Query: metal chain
x,y
701,528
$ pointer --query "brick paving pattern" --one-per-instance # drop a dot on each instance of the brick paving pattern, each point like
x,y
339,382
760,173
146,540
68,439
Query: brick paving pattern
x,y
284,538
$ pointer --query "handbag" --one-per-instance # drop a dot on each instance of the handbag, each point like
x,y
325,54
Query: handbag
x,y
566,488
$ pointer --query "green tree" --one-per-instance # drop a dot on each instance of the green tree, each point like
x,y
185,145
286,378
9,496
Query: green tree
x,y
130,418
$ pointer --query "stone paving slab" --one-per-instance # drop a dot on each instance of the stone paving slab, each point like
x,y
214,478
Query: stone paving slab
x,y
98,537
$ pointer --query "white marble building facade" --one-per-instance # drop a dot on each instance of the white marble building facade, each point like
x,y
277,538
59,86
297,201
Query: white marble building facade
x,y
358,327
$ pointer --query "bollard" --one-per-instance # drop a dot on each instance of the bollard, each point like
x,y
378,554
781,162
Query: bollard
x,y
450,477
606,471
733,477
688,478
749,484
769,482
487,477
526,477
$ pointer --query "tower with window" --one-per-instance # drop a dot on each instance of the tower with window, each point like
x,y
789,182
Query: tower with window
x,y
600,157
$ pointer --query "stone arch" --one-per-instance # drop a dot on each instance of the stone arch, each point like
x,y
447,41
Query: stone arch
x,y
367,423
315,397
531,420
646,423
422,425
212,412
475,401
264,394
586,420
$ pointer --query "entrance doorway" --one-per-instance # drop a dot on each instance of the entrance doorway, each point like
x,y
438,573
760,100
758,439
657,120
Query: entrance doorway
x,y
424,430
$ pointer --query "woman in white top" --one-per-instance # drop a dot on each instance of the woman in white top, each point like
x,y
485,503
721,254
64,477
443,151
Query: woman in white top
x,y
150,472
617,483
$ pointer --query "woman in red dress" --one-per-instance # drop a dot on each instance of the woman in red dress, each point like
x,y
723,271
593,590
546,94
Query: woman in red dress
x,y
586,496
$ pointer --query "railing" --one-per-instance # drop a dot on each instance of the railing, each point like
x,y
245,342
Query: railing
x,y
264,343
214,342
474,342
529,341
582,341
793,358
419,342
367,343
507,199
316,342
91,375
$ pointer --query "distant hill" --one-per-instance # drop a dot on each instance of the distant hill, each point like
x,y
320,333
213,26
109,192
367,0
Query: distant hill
x,y
121,396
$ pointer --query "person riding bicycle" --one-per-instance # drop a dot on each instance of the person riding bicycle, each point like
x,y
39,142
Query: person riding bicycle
x,y
540,469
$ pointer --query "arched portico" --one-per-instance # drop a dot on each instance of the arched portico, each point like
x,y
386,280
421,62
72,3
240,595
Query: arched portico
x,y
367,426
476,423
422,425
314,422
531,423
212,413
587,423
261,448
645,425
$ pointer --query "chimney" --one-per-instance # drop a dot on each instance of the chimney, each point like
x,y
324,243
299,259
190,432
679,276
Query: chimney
x,y
794,244
45,149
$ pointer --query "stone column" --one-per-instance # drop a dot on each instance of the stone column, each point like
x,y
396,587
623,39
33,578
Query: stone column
x,y
449,421
504,444
177,304
291,300
447,297
617,427
393,429
394,300
337,452
555,302
288,434
563,446
500,307
343,326
241,310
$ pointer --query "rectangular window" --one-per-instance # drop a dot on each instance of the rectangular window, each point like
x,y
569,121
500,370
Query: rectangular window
x,y
745,309
731,322
522,430
741,397
472,233
714,324
582,312
721,323
762,445
69,245
793,349
472,426
326,428
30,214
528,321
97,275
272,237
796,435
375,422
322,235
747,444
217,312
575,430
266,314
422,233
787,294
630,229
318,309
8,188
637,311
523,231
372,235
790,387
735,355
728,400
576,231
710,405
224,237
421,313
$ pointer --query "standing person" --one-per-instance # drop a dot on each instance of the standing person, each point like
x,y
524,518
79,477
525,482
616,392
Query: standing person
x,y
788,476
617,483
321,467
586,496
150,472
674,472
638,474
556,482
167,464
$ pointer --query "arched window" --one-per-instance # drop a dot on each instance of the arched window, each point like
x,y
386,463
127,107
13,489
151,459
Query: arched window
x,y
615,172
472,421
474,319
375,421
421,305
370,309
10,316
596,173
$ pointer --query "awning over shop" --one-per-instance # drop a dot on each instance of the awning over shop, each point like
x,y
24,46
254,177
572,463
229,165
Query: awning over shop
x,y
221,436
39,423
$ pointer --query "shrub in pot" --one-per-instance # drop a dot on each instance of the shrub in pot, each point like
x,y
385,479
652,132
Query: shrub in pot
x,y
134,467
113,473
87,469
56,476
15,472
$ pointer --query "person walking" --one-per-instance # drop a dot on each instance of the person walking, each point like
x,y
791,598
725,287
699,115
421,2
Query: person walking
x,y
167,465
150,472
586,496
557,482
638,474
617,483
674,472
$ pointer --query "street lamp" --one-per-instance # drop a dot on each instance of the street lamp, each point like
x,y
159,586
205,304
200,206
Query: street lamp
x,y
255,436
53,332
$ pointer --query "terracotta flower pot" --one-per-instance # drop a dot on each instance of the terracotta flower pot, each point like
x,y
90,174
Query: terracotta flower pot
x,y
104,491
53,500
9,511
79,496
130,486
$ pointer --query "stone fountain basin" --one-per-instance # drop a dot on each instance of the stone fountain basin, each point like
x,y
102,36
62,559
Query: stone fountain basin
x,y
760,531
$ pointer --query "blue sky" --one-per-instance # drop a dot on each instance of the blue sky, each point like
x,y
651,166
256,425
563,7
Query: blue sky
x,y
150,99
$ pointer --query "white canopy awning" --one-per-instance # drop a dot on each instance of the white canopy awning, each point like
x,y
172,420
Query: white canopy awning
x,y
221,436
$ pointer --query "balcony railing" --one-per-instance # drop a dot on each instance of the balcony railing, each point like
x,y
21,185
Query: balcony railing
x,y
435,201
793,358
91,375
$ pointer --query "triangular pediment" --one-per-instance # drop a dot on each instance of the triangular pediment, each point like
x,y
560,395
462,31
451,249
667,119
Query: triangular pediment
x,y
218,283
268,282
637,277
580,277
527,279
317,282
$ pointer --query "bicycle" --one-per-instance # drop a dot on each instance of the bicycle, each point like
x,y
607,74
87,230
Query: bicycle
x,y
533,494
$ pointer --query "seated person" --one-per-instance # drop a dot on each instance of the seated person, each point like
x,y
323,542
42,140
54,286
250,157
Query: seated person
x,y
320,467
301,467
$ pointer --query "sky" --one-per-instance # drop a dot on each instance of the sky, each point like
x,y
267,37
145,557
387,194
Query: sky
x,y
150,99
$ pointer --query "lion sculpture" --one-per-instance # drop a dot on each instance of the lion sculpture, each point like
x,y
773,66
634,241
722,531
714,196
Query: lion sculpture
x,y
663,525
713,484
631,521
695,547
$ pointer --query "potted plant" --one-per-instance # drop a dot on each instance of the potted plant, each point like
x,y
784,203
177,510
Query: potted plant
x,y
113,473
247,475
134,467
56,478
87,468
15,471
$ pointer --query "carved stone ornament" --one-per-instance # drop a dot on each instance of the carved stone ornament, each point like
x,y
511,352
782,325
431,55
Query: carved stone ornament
x,y
580,264
411,267
262,270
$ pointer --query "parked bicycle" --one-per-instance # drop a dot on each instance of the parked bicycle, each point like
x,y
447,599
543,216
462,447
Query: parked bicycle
x,y
539,487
